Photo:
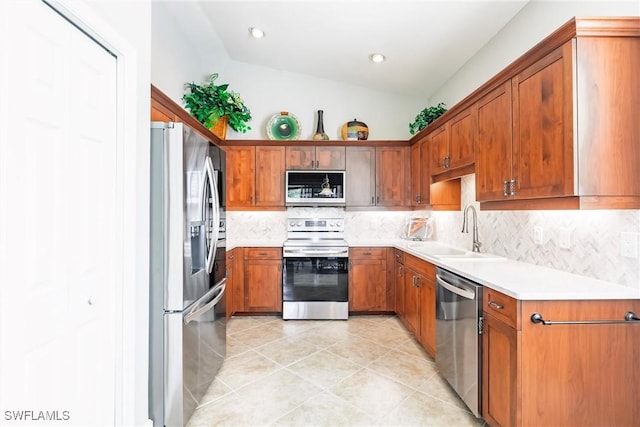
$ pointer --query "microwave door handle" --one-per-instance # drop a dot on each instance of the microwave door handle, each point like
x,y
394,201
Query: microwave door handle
x,y
209,182
465,293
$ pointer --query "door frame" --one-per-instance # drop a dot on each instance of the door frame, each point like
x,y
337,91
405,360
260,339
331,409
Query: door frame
x,y
134,280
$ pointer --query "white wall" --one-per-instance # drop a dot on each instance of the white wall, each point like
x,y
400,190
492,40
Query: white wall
x,y
266,91
176,60
532,24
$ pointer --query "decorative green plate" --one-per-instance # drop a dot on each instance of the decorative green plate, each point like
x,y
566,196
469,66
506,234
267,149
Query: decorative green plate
x,y
283,126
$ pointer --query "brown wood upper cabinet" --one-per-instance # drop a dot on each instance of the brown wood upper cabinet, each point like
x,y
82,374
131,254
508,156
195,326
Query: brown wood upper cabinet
x,y
255,177
563,131
443,195
420,176
322,158
452,145
392,176
378,176
525,141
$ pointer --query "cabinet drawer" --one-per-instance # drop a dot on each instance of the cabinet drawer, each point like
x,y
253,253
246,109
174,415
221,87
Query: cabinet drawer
x,y
367,253
421,266
501,306
263,253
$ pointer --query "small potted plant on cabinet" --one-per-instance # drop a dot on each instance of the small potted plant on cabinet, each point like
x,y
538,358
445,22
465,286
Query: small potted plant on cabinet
x,y
214,106
426,116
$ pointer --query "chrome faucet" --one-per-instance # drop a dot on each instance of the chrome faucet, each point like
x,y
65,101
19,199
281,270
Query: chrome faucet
x,y
465,228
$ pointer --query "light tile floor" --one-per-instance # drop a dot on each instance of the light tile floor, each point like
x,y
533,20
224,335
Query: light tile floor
x,y
366,371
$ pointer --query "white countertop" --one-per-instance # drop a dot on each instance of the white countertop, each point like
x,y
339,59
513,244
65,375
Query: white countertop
x,y
526,281
254,243
520,280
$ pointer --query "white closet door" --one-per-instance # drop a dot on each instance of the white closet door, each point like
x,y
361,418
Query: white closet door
x,y
60,221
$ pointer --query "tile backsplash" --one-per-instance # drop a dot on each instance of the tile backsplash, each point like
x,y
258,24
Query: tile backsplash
x,y
594,236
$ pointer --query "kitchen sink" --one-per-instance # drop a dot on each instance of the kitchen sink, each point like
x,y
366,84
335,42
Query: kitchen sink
x,y
435,249
469,256
444,252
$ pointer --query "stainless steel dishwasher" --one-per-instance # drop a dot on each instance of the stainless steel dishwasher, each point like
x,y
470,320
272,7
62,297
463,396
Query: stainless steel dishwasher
x,y
458,336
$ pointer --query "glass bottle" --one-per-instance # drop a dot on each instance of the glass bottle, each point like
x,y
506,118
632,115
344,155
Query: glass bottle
x,y
320,135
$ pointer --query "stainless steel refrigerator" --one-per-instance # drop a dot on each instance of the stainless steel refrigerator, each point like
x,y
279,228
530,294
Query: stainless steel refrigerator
x,y
187,271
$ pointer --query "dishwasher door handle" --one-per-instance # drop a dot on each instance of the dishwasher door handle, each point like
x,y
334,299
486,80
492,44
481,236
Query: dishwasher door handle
x,y
465,293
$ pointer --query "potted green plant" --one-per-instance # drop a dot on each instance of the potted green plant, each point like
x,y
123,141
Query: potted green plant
x,y
426,116
210,102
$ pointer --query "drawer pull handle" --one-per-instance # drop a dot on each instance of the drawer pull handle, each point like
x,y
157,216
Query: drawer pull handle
x,y
495,305
366,253
629,317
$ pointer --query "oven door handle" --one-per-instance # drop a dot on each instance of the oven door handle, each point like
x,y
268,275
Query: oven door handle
x,y
315,252
465,293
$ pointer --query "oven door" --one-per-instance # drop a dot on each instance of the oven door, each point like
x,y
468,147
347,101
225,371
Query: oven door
x,y
315,278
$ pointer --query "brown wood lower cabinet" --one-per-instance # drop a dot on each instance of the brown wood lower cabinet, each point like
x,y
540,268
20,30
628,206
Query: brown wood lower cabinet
x,y
560,374
369,287
427,335
415,298
262,280
231,290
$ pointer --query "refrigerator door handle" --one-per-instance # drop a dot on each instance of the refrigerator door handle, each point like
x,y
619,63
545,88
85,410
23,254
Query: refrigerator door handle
x,y
210,182
218,290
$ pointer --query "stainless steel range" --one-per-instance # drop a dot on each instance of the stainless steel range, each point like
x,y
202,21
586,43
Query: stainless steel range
x,y
315,277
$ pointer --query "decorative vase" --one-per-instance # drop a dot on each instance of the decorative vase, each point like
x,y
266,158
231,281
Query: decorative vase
x,y
320,135
219,128
356,131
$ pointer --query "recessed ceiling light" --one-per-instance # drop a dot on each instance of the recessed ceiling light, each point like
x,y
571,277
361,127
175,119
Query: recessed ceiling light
x,y
377,58
256,32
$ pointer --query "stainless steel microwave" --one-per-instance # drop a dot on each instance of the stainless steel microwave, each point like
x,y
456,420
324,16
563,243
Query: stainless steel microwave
x,y
314,188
